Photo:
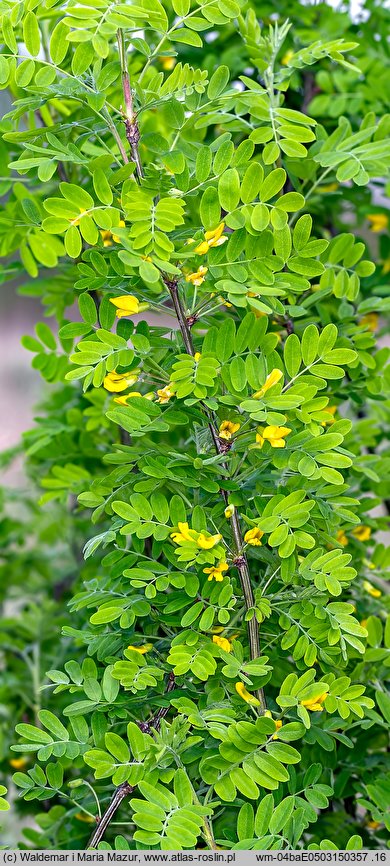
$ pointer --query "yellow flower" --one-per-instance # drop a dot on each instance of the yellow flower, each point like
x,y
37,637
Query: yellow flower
x,y
215,572
165,394
386,266
371,320
315,704
287,57
116,382
82,816
372,590
18,763
213,238
197,357
222,642
246,696
198,277
229,511
374,825
108,237
141,649
184,534
227,428
253,536
127,305
222,301
207,543
76,222
277,722
329,187
271,380
273,435
167,63
341,537
331,411
124,398
379,221
362,533
363,623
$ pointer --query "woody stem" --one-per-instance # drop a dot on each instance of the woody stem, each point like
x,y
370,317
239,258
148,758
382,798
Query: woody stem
x,y
130,118
240,560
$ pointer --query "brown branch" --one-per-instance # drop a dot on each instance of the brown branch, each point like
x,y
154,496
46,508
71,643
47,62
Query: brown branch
x,y
240,560
119,794
125,789
155,722
129,115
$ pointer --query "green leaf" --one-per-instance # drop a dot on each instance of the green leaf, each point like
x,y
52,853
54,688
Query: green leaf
x,y
292,354
272,184
225,340
50,721
102,187
117,747
229,189
87,308
210,209
218,82
72,241
281,815
31,34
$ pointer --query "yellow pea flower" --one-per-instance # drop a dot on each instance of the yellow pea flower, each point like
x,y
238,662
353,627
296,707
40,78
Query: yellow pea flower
x,y
128,305
167,63
115,382
18,763
246,696
222,642
125,397
386,267
253,536
287,57
331,411
314,704
108,237
372,590
374,825
329,187
213,238
229,511
184,534
371,320
165,394
76,221
379,222
362,533
141,649
197,357
274,435
341,537
198,277
227,428
278,722
363,623
215,572
225,303
273,377
207,543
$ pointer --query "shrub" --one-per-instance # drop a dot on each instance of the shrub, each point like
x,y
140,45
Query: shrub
x,y
212,673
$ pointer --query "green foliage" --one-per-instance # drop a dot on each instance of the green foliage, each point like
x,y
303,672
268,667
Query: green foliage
x,y
191,192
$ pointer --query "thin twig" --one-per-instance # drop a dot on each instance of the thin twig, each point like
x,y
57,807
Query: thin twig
x,y
240,560
119,794
124,790
129,115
